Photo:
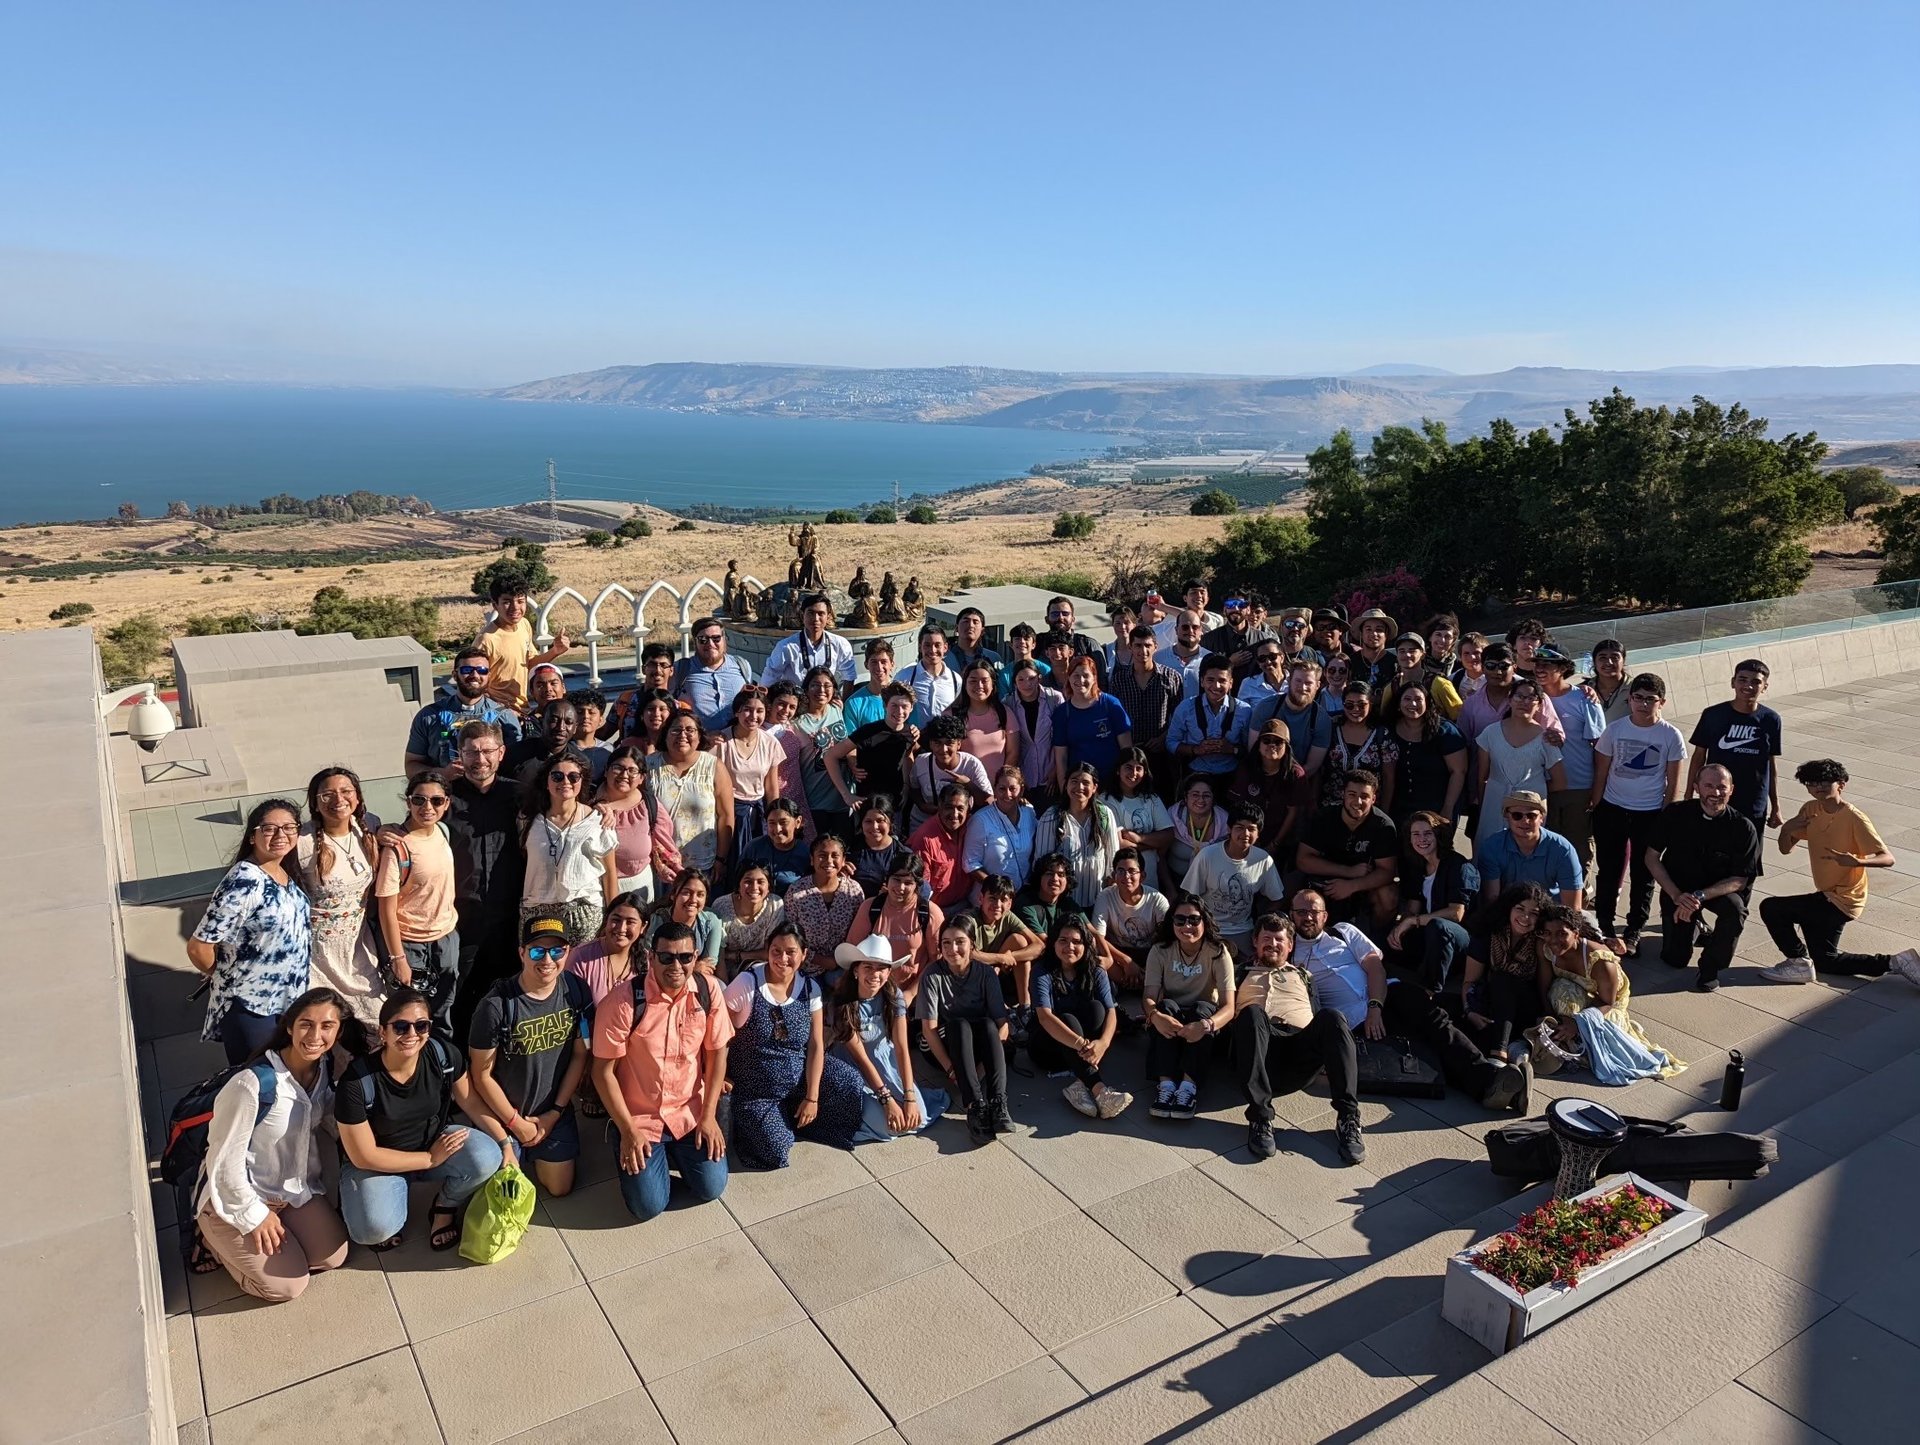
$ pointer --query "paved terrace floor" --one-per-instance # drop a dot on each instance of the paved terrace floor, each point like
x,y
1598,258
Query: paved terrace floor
x,y
1142,1280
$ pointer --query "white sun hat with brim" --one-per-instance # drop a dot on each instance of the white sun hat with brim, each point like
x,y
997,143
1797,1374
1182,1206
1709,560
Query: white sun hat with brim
x,y
874,948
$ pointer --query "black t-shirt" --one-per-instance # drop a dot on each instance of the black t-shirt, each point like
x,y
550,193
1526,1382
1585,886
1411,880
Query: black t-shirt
x,y
405,1116
1376,838
1699,851
484,831
883,757
533,1038
1744,744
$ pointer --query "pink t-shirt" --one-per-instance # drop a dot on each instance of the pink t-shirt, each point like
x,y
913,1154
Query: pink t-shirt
x,y
986,740
634,828
748,765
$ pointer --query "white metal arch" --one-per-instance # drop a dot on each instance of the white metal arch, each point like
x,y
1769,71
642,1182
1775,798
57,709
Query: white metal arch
x,y
594,634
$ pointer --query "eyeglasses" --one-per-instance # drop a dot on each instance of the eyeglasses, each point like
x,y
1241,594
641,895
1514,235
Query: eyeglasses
x,y
1186,920
402,1027
569,778
1492,666
1646,697
675,960
556,951
279,830
427,800
469,670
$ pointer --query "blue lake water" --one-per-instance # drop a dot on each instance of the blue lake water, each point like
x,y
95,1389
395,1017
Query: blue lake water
x,y
79,452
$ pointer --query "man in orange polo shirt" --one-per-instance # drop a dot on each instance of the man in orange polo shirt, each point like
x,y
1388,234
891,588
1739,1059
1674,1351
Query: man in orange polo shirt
x,y
661,1076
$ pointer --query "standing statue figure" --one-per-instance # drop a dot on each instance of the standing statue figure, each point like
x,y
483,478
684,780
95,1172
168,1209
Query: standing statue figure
x,y
913,601
731,601
890,600
805,573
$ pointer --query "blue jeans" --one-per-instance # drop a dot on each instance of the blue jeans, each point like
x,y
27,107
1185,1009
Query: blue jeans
x,y
1443,943
244,1033
646,1192
375,1205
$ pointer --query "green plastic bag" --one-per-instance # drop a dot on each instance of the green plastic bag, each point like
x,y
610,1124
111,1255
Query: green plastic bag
x,y
497,1216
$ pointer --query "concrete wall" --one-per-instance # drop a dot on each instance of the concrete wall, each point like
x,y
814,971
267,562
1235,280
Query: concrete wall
x,y
82,1333
1800,664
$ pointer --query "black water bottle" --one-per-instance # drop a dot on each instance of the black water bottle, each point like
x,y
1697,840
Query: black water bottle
x,y
1735,1079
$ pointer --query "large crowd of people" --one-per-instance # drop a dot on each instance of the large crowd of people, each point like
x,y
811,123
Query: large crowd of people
x,y
722,912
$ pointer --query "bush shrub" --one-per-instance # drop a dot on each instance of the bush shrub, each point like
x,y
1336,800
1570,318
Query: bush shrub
x,y
882,516
596,537
71,609
839,516
922,514
634,527
1214,503
1072,526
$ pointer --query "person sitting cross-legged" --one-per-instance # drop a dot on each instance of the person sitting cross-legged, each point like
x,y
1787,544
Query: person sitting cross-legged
x,y
1350,854
1282,1037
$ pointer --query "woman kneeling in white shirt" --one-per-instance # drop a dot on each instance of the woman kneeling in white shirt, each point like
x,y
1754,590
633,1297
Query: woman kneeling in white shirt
x,y
263,1210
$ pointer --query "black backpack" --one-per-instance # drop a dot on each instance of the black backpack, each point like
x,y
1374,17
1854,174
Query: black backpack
x,y
438,1049
702,990
186,1148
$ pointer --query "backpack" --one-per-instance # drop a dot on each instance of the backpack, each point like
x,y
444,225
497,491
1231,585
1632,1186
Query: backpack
x,y
186,1147
922,915
579,999
438,1049
403,855
702,990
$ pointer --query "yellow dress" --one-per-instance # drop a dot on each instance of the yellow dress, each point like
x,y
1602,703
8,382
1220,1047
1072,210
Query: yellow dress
x,y
1572,990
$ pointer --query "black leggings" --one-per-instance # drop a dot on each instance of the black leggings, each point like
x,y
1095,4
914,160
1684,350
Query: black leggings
x,y
1050,1055
1177,1058
971,1044
1621,837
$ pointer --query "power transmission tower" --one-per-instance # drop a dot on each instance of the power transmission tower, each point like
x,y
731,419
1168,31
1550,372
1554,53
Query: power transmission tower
x,y
553,503
896,499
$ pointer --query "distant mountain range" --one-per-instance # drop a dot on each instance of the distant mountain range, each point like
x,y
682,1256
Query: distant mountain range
x,y
1858,403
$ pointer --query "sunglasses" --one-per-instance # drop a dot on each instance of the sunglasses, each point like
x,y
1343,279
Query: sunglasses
x,y
1187,920
468,670
403,1027
1266,657
427,800
675,960
710,639
540,954
570,779
1522,817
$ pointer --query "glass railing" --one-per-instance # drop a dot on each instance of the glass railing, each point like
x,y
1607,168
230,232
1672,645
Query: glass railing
x,y
1659,635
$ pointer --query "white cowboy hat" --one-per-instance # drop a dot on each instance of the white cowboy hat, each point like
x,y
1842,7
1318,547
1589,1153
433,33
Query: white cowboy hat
x,y
874,948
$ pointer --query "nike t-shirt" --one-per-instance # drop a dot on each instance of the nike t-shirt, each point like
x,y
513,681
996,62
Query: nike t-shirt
x,y
1745,744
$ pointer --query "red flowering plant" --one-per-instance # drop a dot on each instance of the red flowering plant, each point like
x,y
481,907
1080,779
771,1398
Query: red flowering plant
x,y
1398,593
1562,1237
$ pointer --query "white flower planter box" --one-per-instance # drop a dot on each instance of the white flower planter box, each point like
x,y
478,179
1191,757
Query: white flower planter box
x,y
1499,1317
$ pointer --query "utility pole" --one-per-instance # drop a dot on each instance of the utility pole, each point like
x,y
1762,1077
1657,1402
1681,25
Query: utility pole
x,y
896,499
553,503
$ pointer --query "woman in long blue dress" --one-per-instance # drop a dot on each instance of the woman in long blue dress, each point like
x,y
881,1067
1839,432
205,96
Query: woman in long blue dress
x,y
781,1082
871,1030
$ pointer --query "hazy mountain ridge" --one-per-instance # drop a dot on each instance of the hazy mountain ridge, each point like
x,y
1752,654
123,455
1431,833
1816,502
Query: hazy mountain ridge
x,y
1863,403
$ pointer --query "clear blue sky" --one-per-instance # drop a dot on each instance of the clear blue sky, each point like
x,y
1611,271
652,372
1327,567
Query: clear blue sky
x,y
485,193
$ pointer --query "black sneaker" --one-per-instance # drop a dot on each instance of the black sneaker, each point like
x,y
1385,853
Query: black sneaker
x,y
998,1119
1523,1101
1260,1139
1705,984
1507,1085
979,1125
1632,941
1353,1147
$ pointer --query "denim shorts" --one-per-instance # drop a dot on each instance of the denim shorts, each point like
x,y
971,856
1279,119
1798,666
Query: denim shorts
x,y
561,1146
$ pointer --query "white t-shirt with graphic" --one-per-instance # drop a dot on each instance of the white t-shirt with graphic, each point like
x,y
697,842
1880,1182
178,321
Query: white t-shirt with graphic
x,y
1638,777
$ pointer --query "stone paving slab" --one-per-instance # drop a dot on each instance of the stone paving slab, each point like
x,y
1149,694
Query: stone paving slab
x,y
377,1401
1837,1378
687,1307
1735,1415
998,1409
789,1385
1066,1279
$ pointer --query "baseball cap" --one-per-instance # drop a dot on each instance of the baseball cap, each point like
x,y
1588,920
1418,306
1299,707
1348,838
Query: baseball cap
x,y
543,926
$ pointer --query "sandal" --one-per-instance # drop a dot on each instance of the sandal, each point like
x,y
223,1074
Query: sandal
x,y
201,1259
443,1236
387,1244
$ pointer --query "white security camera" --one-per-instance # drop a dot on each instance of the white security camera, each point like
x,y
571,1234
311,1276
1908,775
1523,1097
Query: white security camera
x,y
151,719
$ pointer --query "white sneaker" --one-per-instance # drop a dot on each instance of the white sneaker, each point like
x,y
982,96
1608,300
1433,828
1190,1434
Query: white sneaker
x,y
1906,963
1112,1102
1081,1097
1790,970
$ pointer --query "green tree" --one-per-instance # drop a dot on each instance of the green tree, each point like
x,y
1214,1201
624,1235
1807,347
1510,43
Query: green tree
x,y
841,516
528,565
1072,526
131,648
1898,527
922,514
882,516
596,537
365,617
1863,487
1214,503
685,524
634,527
